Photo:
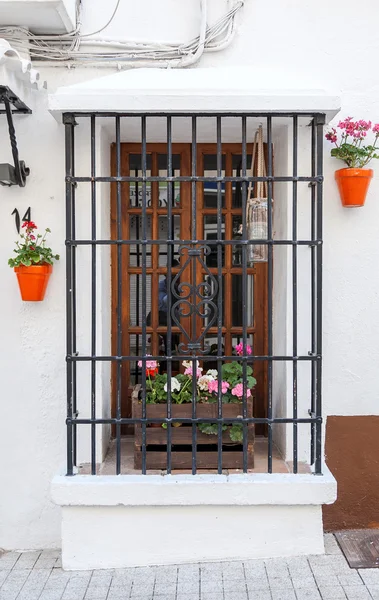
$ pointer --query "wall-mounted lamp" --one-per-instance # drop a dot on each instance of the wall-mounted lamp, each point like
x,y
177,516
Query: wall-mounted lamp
x,y
17,173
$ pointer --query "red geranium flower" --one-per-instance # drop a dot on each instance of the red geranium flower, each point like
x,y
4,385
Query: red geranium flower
x,y
151,372
29,225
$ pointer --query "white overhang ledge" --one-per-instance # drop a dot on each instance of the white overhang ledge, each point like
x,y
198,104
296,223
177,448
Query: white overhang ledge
x,y
213,90
195,490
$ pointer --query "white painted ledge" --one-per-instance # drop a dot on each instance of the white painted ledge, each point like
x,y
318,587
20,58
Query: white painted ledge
x,y
195,490
228,89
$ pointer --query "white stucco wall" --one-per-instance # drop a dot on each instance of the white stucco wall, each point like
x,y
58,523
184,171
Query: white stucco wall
x,y
279,37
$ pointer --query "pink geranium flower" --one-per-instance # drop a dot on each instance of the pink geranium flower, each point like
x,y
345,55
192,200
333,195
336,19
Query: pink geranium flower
x,y
213,386
238,391
239,349
150,364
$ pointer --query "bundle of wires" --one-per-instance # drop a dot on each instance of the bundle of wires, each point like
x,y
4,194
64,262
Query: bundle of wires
x,y
76,47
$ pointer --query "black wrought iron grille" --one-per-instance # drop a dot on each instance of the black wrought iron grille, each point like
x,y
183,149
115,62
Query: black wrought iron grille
x,y
201,298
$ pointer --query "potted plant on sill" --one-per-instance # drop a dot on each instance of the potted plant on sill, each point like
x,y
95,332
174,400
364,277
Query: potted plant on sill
x,y
206,386
354,180
33,263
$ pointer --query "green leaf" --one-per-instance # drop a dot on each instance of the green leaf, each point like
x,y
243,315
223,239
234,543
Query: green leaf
x,y
236,433
26,262
210,428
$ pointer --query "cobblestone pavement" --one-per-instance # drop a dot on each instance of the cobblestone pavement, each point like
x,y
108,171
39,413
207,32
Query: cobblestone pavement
x,y
38,576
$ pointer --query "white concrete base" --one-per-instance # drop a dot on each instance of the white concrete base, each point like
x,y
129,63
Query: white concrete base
x,y
119,536
125,521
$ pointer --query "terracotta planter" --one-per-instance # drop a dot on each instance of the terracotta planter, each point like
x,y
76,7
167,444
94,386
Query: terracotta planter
x,y
33,281
353,185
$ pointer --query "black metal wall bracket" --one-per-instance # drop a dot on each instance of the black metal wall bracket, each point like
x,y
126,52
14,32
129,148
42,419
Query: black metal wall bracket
x,y
13,174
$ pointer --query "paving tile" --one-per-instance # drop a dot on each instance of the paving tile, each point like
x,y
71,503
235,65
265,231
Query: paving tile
x,y
369,576
255,568
18,576
76,594
349,579
98,592
161,589
217,596
234,585
283,595
50,595
258,583
50,553
259,595
182,596
121,584
27,560
307,594
374,591
166,574
331,544
45,563
8,560
299,567
233,570
3,575
211,587
330,580
303,582
280,582
236,595
276,567
189,586
141,590
356,592
333,592
8,595
188,572
117,594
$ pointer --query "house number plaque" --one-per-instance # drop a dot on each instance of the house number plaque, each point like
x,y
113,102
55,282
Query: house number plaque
x,y
27,217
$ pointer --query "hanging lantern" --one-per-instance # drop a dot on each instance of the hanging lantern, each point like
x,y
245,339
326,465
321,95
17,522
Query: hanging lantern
x,y
257,205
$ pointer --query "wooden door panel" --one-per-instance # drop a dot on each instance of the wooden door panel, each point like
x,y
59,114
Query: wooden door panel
x,y
207,218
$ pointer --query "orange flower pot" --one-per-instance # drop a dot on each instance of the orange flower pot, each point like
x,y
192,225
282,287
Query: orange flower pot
x,y
33,281
353,185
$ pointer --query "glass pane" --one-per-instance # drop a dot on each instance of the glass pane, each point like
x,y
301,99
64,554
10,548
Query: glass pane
x,y
210,233
135,188
210,187
237,299
163,235
163,186
237,172
135,295
135,233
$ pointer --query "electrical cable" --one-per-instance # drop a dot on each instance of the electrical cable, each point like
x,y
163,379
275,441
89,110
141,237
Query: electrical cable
x,y
69,49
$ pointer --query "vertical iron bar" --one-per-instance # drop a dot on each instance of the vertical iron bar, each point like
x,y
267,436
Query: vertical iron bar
x,y
313,290
138,256
269,295
220,295
244,296
74,345
69,127
193,237
294,291
93,294
169,291
119,297
319,200
144,242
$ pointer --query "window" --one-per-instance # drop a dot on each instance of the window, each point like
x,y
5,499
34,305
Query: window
x,y
184,288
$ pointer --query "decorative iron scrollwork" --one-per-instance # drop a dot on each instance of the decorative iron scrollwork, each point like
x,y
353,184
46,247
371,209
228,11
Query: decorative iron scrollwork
x,y
194,299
